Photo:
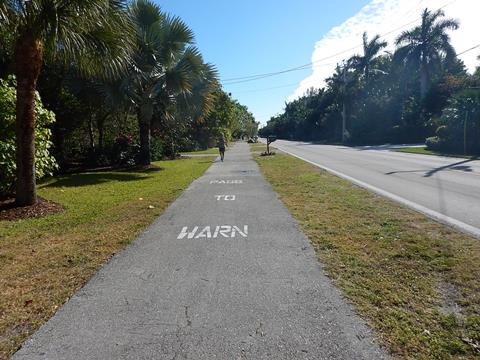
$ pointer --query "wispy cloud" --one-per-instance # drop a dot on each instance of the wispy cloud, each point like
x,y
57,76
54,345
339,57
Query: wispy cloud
x,y
389,17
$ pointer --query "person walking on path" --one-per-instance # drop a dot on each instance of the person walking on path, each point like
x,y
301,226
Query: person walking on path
x,y
221,145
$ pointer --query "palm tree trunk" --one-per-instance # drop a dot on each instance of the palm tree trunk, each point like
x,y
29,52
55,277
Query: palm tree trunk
x,y
424,80
144,157
101,131
144,119
91,136
367,75
28,62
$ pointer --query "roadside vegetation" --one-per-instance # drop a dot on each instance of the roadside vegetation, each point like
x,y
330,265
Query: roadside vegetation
x,y
44,260
209,151
414,280
124,83
95,95
421,92
423,150
258,147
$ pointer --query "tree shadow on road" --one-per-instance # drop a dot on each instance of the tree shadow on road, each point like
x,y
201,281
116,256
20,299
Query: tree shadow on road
x,y
459,166
455,166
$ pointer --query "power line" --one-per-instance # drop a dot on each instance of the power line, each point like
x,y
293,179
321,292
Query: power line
x,y
262,76
267,89
249,78
288,85
472,48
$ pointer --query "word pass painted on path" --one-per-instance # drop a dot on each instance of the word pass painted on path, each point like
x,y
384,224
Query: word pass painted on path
x,y
226,182
212,232
225,197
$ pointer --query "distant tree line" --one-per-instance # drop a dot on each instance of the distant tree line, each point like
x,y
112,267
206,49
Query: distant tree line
x,y
102,82
421,92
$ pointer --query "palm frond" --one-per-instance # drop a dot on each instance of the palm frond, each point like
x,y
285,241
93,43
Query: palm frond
x,y
408,36
145,13
96,35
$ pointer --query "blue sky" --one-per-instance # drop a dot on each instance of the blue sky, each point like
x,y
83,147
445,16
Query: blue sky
x,y
250,37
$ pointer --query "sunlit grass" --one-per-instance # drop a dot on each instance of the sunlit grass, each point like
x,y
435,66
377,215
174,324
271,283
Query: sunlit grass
x,y
202,152
44,260
424,151
416,281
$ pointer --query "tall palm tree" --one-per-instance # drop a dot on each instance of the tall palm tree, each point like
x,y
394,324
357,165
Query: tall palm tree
x,y
93,34
191,109
167,66
365,63
426,45
199,102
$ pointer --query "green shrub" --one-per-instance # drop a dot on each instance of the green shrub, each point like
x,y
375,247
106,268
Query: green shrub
x,y
156,149
125,150
45,163
434,143
450,133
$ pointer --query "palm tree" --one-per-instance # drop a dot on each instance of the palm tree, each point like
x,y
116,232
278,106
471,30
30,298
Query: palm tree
x,y
167,66
426,45
365,63
199,102
93,34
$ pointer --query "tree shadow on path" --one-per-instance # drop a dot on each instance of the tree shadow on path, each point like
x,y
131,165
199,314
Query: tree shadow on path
x,y
87,179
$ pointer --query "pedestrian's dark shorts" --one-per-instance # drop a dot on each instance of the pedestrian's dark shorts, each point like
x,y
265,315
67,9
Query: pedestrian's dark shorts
x,y
221,148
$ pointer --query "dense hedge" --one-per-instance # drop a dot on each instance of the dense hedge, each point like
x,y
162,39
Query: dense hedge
x,y
459,127
45,162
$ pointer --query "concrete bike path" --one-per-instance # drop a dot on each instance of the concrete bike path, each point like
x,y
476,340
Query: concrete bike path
x,y
224,273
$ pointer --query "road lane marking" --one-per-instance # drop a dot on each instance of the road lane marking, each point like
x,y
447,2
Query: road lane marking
x,y
226,182
225,231
225,197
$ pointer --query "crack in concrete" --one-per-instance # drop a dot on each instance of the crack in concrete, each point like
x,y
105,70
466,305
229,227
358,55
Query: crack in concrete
x,y
181,334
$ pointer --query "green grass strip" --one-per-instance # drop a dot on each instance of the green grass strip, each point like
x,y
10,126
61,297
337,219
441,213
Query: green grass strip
x,y
414,280
43,261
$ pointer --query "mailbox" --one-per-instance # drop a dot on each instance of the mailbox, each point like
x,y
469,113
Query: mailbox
x,y
270,139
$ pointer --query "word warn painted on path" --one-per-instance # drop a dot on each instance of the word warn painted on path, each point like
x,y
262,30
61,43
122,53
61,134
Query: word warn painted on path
x,y
226,182
225,197
212,232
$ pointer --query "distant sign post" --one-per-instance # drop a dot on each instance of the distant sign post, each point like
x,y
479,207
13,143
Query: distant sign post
x,y
270,139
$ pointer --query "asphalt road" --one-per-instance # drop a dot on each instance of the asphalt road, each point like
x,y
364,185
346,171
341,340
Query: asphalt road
x,y
443,187
224,273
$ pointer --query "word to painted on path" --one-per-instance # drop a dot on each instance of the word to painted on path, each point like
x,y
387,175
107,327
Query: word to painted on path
x,y
212,232
226,182
225,197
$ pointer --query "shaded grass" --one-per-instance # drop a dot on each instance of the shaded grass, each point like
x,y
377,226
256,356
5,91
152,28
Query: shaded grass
x,y
44,260
416,281
424,151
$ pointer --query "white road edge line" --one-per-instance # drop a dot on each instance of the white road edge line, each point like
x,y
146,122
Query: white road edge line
x,y
444,219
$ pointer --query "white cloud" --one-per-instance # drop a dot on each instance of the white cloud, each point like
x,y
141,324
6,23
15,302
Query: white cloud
x,y
389,17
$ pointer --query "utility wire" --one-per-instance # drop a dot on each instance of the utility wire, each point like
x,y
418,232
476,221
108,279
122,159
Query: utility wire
x,y
243,79
267,89
296,83
472,48
262,76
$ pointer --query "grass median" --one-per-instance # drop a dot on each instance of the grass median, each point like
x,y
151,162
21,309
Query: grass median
x,y
43,261
210,151
422,150
414,280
